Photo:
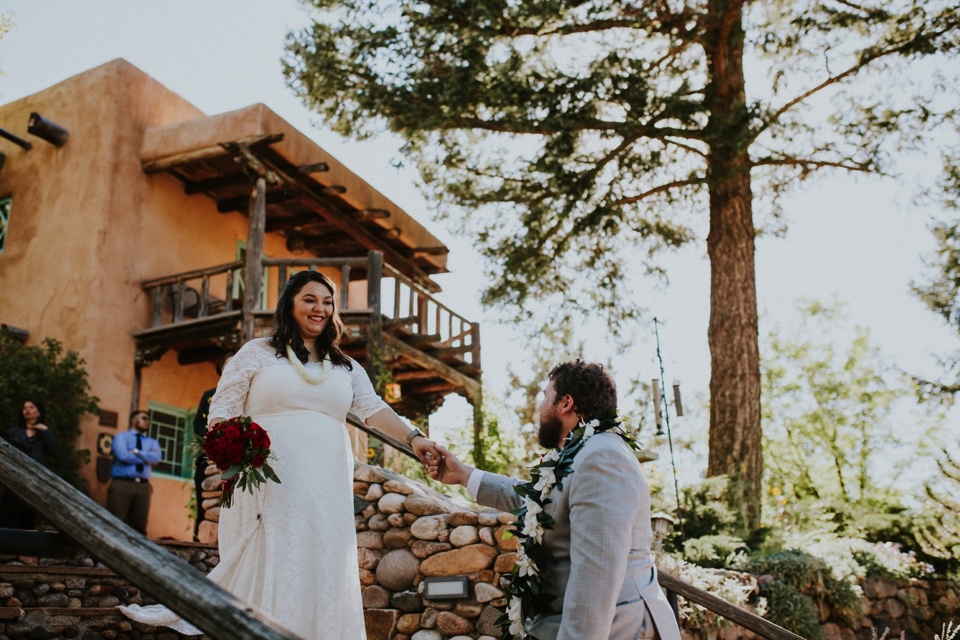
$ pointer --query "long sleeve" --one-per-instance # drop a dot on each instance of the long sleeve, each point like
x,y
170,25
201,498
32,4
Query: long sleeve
x,y
50,444
605,494
123,448
151,453
497,491
231,394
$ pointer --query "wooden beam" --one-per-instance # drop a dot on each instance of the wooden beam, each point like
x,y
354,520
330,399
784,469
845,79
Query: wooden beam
x,y
337,216
417,374
439,387
202,186
471,387
432,251
301,220
243,203
316,167
253,271
221,149
372,214
168,578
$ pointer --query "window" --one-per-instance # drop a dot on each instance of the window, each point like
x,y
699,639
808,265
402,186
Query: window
x,y
4,221
173,429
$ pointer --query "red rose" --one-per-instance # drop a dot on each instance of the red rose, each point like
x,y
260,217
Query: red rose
x,y
258,460
234,453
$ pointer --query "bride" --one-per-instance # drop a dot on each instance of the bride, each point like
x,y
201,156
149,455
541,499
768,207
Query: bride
x,y
289,550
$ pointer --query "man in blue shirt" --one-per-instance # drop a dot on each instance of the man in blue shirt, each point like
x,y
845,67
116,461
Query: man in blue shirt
x,y
134,452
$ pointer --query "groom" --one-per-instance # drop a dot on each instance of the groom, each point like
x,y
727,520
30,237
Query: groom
x,y
602,575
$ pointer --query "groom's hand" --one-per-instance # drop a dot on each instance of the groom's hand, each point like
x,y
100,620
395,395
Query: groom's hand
x,y
448,469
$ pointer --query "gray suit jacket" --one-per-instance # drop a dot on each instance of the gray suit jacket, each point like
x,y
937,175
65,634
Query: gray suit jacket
x,y
602,574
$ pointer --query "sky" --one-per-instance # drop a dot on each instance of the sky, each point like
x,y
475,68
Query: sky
x,y
859,240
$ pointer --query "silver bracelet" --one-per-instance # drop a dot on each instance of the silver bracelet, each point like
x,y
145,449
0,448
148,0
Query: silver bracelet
x,y
413,434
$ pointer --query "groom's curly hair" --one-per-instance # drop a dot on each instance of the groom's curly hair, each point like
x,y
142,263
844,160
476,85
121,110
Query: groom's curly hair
x,y
592,388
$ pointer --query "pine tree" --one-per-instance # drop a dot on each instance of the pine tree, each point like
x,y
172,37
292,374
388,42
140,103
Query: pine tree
x,y
581,137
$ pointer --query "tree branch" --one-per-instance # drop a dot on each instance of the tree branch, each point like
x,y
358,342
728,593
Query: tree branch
x,y
686,147
806,164
664,187
863,62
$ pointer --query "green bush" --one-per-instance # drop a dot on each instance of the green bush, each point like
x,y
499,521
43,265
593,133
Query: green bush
x,y
56,378
810,576
790,609
705,512
714,552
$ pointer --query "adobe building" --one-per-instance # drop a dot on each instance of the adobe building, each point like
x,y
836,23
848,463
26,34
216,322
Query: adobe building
x,y
155,238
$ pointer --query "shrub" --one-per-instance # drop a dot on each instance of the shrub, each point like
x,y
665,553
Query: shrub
x,y
57,378
810,576
705,512
712,551
791,610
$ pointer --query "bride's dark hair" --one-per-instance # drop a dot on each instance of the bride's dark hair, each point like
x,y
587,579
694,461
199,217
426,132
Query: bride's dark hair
x,y
286,331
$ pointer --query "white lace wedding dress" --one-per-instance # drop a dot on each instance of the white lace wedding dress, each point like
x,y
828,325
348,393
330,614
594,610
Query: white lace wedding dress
x,y
290,550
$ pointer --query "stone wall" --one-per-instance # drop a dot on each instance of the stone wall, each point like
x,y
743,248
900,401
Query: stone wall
x,y
406,532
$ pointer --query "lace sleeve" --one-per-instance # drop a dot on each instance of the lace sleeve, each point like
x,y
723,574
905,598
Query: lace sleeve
x,y
366,402
231,395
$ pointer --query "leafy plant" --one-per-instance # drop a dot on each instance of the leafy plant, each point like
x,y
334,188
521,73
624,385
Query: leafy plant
x,y
706,511
737,588
810,576
712,551
790,609
55,377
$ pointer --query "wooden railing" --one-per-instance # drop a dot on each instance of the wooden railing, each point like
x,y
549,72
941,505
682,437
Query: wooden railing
x,y
178,585
397,302
197,294
189,593
415,310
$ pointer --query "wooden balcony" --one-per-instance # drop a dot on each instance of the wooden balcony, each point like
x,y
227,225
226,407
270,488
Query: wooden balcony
x,y
415,348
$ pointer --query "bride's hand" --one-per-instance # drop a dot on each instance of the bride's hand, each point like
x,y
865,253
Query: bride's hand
x,y
428,451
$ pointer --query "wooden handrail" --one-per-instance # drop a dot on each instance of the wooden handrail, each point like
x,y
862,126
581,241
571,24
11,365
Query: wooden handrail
x,y
730,611
198,600
402,447
178,585
429,315
190,275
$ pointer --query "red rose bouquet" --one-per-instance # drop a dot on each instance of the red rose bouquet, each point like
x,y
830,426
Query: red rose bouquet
x,y
240,448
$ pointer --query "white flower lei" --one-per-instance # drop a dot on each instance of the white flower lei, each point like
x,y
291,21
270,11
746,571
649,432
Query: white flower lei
x,y
311,378
524,589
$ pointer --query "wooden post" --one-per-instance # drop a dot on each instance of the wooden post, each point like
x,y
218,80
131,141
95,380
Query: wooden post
x,y
375,357
135,391
253,268
174,582
344,286
479,454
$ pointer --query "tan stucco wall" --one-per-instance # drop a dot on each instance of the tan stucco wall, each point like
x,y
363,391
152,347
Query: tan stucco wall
x,y
87,227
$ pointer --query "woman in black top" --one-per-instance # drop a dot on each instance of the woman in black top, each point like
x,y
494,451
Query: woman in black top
x,y
37,440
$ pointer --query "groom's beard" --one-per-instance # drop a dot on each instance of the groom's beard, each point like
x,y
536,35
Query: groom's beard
x,y
549,433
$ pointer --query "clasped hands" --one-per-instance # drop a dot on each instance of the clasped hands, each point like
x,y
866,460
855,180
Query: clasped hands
x,y
441,465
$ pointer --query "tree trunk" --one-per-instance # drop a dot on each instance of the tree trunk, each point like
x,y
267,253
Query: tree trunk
x,y
735,431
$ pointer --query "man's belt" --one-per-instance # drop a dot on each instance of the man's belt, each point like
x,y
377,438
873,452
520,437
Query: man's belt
x,y
142,480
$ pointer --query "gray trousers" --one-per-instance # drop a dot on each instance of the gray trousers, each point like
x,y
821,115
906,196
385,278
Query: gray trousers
x,y
130,501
